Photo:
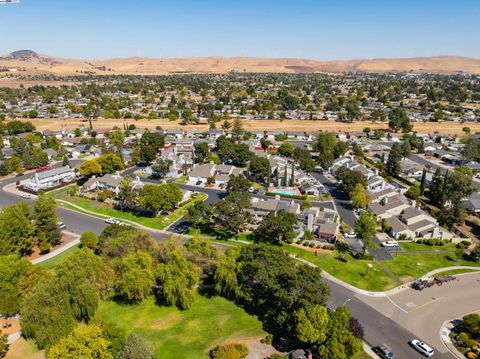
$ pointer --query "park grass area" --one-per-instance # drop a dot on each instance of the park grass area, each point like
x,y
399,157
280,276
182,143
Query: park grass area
x,y
409,266
103,210
54,261
184,334
23,349
383,275
355,271
459,271
419,247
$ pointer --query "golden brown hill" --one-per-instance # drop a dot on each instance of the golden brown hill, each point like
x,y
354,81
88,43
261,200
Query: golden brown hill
x,y
32,63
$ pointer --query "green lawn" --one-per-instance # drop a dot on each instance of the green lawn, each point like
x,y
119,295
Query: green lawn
x,y
412,266
159,222
183,334
53,262
458,271
416,247
406,267
355,272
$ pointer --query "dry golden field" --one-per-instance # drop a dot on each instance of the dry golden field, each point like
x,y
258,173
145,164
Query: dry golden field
x,y
451,128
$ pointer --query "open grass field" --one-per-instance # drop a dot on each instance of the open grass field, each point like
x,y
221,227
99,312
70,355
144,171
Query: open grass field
x,y
355,272
261,125
184,334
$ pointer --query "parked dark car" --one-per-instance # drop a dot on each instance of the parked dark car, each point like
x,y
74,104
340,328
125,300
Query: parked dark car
x,y
384,352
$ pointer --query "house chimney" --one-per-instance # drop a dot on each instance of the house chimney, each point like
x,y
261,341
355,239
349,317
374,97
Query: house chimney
x,y
310,222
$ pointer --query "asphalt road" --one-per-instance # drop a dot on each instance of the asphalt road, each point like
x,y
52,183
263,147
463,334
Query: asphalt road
x,y
378,327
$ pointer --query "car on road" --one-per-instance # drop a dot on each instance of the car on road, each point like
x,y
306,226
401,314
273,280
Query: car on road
x,y
359,211
421,347
61,225
112,220
384,352
351,234
26,195
390,244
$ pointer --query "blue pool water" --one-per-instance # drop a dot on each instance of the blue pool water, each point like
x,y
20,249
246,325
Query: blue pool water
x,y
284,191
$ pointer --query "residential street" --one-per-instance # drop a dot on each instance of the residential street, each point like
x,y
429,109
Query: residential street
x,y
383,321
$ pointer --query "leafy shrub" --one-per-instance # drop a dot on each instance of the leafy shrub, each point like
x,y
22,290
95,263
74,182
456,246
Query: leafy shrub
x,y
229,351
267,340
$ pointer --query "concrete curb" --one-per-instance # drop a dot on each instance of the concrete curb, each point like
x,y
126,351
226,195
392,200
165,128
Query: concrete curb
x,y
104,216
58,250
377,294
445,331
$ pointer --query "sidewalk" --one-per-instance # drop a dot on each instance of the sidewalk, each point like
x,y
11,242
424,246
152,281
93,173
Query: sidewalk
x,y
387,293
58,250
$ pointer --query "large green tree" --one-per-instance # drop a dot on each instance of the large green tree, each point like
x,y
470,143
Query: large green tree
x,y
276,228
86,341
136,277
366,227
398,120
393,167
259,169
176,280
164,197
46,220
17,231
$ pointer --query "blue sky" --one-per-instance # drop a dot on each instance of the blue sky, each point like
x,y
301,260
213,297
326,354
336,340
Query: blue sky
x,y
324,30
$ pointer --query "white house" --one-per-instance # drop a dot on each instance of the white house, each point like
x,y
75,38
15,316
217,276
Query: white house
x,y
50,178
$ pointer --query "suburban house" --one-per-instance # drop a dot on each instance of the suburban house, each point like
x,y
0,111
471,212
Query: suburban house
x,y
50,178
472,203
410,169
219,173
389,206
108,182
261,208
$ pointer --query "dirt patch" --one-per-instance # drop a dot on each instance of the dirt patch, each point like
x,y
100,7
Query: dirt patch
x,y
167,321
260,125
21,349
9,326
66,238
313,250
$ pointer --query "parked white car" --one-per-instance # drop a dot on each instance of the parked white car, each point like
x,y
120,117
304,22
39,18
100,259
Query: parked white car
x,y
422,347
26,195
61,225
390,244
351,234
112,220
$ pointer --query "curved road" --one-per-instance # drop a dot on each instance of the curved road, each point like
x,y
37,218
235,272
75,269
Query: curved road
x,y
379,328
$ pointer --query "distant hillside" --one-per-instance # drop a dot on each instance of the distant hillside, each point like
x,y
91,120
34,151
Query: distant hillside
x,y
32,63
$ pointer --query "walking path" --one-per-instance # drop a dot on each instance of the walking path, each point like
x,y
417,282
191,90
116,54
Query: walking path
x,y
59,250
387,293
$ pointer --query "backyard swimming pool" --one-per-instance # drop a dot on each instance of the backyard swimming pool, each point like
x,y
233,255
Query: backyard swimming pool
x,y
284,191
